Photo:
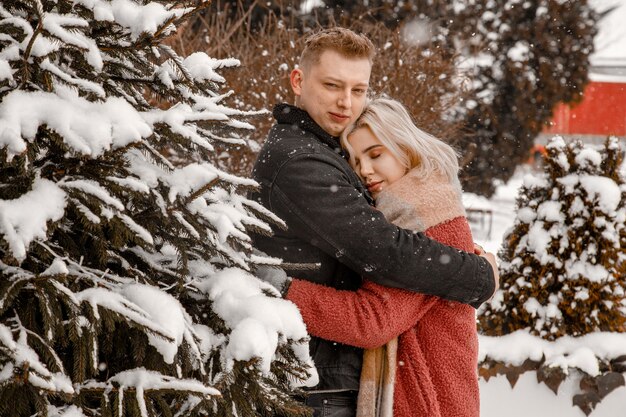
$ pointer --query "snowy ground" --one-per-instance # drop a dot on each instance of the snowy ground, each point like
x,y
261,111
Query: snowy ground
x,y
528,398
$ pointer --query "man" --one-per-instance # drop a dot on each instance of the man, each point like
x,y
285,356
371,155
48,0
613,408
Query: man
x,y
330,220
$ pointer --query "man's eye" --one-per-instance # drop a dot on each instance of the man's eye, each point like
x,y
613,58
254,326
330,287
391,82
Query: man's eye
x,y
331,85
359,91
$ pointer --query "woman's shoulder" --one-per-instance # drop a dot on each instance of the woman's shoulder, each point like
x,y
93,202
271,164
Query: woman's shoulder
x,y
430,199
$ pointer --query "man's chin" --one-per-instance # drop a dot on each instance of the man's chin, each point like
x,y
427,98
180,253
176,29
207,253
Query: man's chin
x,y
335,130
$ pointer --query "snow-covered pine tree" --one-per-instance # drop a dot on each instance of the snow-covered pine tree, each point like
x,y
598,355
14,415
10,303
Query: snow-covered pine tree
x,y
563,275
126,285
563,268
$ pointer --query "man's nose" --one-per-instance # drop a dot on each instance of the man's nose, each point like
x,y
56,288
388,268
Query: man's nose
x,y
345,100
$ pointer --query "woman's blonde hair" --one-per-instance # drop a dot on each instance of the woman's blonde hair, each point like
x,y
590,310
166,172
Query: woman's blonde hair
x,y
391,123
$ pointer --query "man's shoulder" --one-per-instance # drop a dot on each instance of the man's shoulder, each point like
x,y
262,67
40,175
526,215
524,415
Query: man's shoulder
x,y
292,139
287,144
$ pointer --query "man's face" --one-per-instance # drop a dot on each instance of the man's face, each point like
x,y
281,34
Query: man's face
x,y
332,91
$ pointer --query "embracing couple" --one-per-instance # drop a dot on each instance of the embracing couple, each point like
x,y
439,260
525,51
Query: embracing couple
x,y
375,204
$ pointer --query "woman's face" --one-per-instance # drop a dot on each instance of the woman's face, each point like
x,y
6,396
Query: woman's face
x,y
373,162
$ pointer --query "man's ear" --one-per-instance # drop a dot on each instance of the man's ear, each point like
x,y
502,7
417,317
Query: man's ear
x,y
295,79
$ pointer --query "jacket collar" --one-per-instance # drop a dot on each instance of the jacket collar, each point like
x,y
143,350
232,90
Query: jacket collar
x,y
286,113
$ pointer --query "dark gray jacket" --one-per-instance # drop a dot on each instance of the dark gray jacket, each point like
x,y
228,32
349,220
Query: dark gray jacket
x,y
306,181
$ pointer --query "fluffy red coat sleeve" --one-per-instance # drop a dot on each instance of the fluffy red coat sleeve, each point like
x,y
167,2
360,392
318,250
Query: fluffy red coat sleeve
x,y
366,318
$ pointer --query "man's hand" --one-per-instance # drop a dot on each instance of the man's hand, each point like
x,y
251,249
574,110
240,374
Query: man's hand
x,y
491,258
478,250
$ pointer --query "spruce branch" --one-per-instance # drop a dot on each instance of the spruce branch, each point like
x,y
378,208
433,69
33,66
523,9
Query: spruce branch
x,y
201,191
98,277
13,291
18,326
166,25
140,253
203,5
25,67
169,51
160,158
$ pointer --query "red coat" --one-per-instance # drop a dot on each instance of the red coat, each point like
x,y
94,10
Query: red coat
x,y
437,347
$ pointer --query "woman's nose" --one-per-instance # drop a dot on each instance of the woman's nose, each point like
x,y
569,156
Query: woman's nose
x,y
366,169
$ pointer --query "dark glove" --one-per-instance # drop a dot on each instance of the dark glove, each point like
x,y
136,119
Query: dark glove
x,y
274,276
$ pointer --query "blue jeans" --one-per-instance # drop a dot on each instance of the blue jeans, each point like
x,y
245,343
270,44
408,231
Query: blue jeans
x,y
333,404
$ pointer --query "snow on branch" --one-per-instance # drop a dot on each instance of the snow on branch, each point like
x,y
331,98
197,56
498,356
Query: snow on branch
x,y
87,128
79,82
139,231
144,381
226,220
259,323
63,28
94,189
23,356
69,411
264,212
166,321
118,303
6,73
138,19
164,310
25,219
182,182
131,183
197,66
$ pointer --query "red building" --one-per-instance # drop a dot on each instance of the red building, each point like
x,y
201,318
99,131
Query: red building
x,y
601,113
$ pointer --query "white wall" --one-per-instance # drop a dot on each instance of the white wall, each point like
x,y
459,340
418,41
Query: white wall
x,y
532,399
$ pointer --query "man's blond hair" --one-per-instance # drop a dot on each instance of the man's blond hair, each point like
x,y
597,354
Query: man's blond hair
x,y
338,39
